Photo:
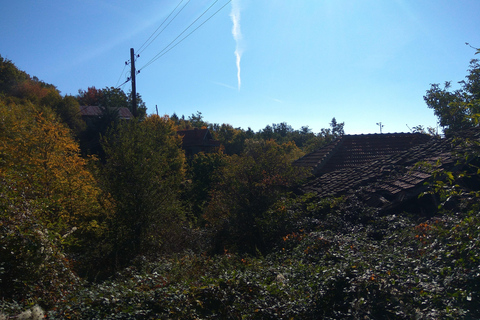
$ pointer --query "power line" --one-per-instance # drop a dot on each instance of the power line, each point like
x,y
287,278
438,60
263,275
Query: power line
x,y
154,58
123,84
142,46
128,79
121,74
140,50
166,49
195,29
169,47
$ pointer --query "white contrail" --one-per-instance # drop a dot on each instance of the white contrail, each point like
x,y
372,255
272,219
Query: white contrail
x,y
237,36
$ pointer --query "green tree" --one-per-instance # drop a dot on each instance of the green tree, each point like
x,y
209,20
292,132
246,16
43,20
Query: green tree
x,y
113,98
232,139
246,187
141,106
144,171
202,173
282,129
68,109
10,76
196,121
337,128
267,133
302,137
458,109
326,135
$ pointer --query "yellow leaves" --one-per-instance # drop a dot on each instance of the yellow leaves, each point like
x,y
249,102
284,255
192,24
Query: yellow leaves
x,y
41,160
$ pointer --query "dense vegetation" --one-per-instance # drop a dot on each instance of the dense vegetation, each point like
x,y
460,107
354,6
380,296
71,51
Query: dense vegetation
x,y
112,220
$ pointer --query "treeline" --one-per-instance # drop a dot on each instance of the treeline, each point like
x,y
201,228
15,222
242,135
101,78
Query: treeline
x,y
233,139
84,201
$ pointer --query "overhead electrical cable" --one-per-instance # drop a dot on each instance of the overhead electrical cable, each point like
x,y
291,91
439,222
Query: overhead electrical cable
x,y
123,84
121,74
194,29
128,79
165,48
140,50
171,45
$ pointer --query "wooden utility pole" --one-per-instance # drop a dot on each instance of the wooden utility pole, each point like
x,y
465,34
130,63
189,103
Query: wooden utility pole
x,y
134,84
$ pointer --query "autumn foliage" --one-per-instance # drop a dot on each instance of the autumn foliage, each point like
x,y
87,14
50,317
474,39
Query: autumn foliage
x,y
54,200
128,227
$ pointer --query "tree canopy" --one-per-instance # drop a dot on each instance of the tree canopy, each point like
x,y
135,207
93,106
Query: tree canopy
x,y
245,189
457,109
143,171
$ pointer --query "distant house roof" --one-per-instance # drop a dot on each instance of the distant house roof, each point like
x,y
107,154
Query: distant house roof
x,y
197,140
96,111
381,169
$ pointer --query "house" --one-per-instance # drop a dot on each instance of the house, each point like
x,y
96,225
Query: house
x,y
381,170
90,113
197,140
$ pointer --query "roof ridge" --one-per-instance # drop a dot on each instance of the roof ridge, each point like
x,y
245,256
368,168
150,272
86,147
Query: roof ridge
x,y
98,106
336,145
384,134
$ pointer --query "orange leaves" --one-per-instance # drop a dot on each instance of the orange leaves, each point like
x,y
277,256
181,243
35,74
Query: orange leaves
x,y
423,227
32,91
422,231
293,237
91,97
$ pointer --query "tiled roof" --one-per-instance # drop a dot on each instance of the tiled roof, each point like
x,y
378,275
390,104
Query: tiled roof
x,y
353,150
387,176
382,175
96,111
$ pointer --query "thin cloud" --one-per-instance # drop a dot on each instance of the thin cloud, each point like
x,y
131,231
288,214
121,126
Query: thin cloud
x,y
237,36
224,85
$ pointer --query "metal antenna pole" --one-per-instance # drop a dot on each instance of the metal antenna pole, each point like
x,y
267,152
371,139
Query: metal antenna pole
x,y
380,125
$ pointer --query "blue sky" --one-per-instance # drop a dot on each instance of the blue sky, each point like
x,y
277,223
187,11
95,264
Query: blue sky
x,y
301,62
